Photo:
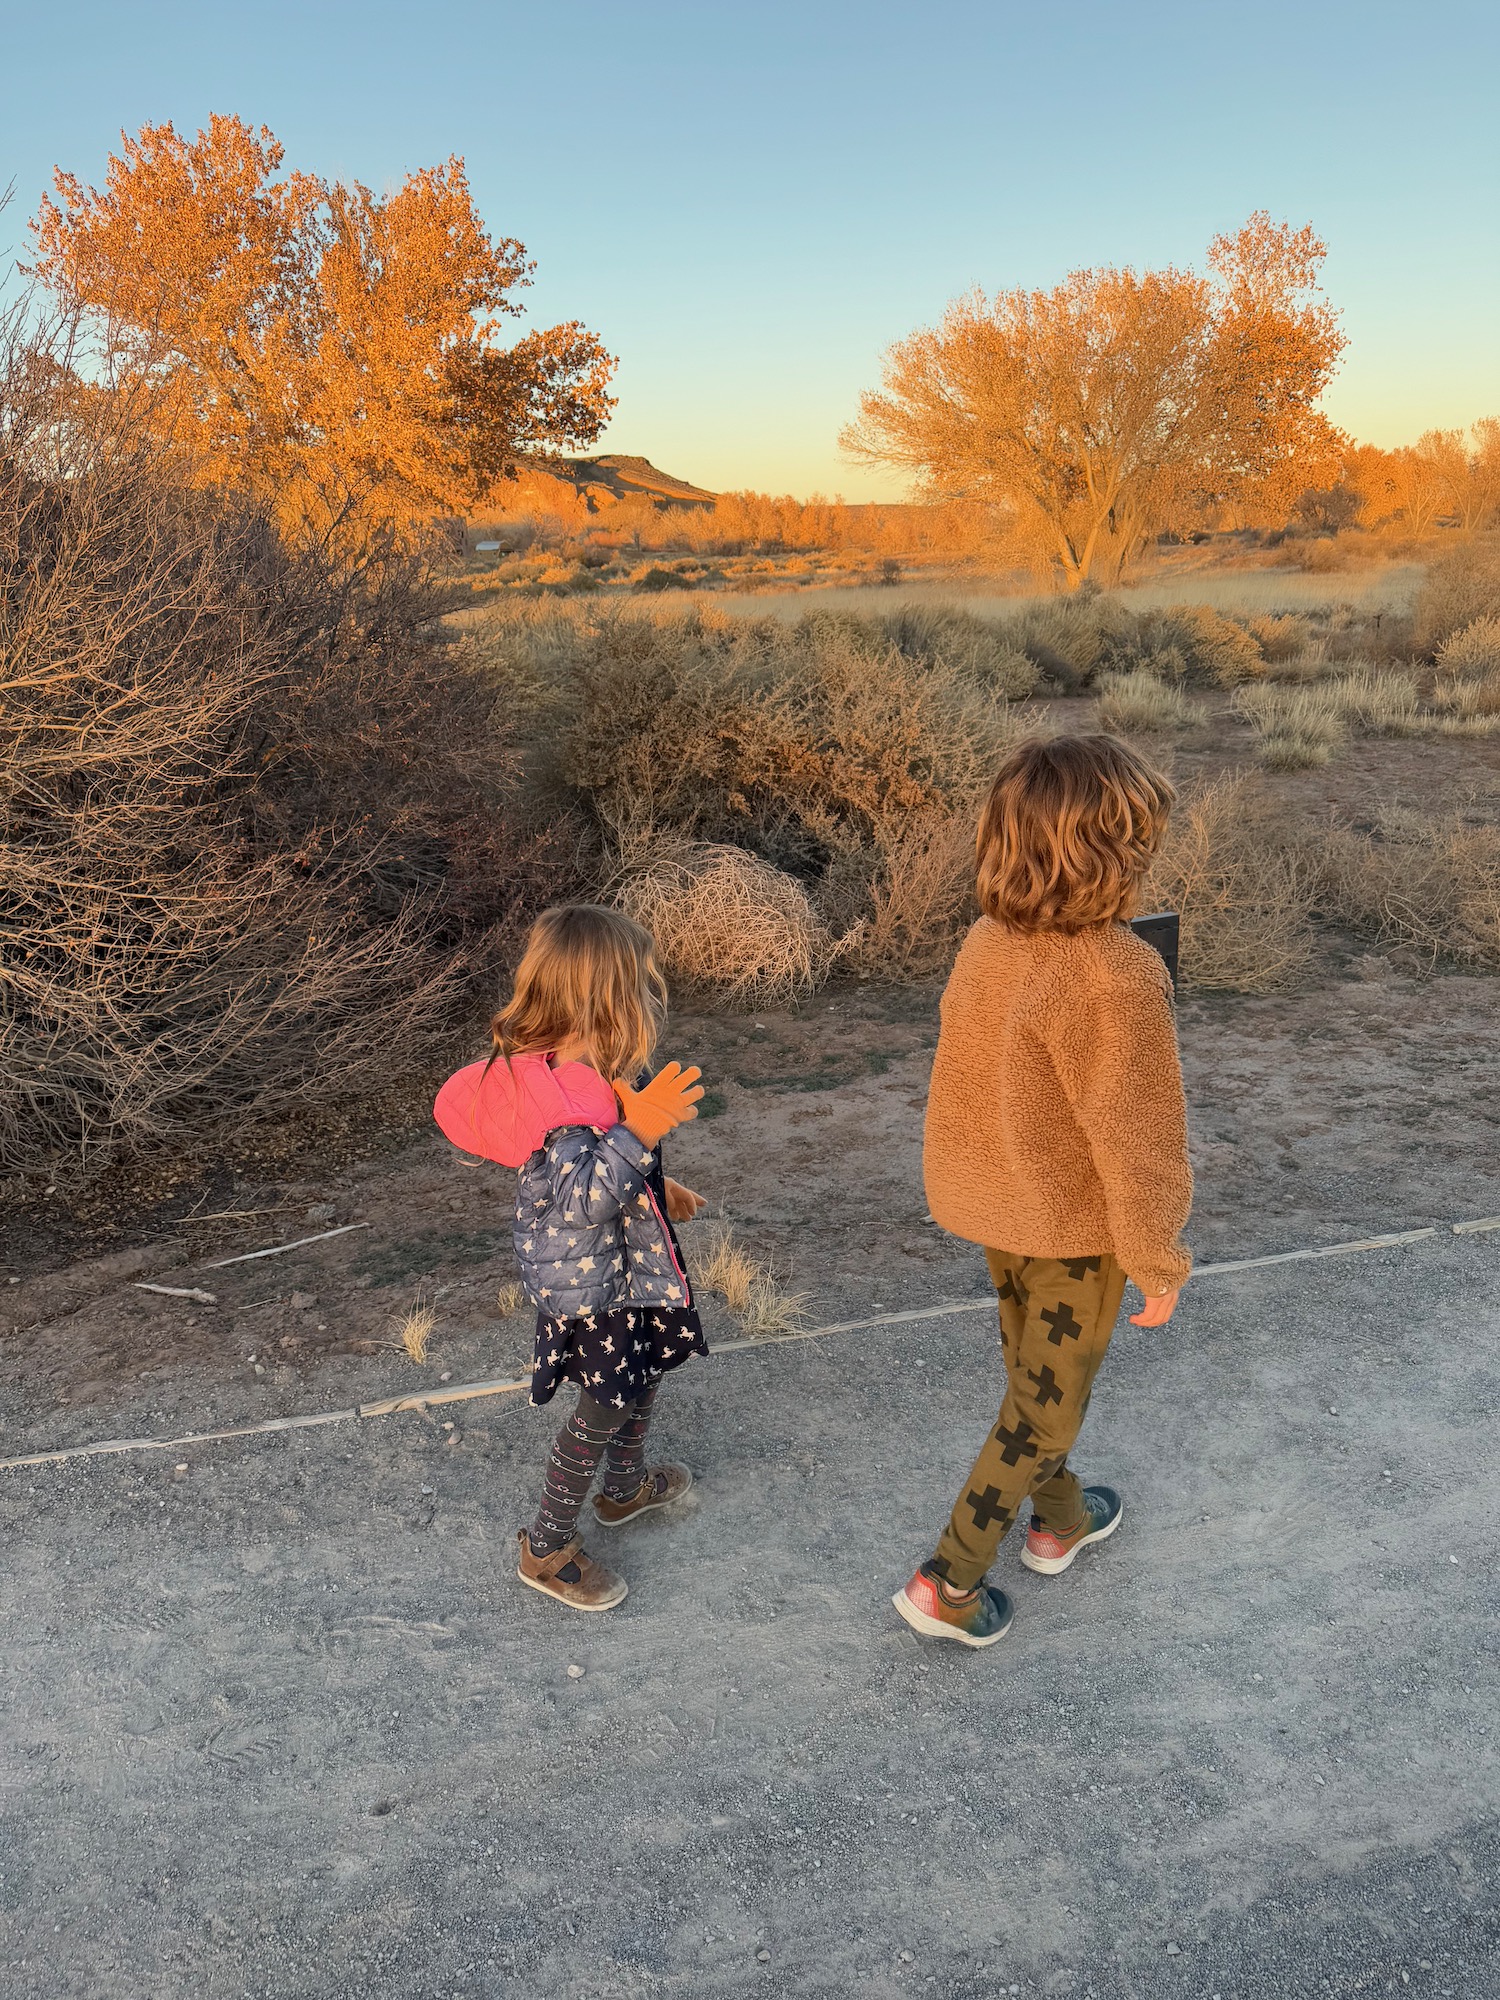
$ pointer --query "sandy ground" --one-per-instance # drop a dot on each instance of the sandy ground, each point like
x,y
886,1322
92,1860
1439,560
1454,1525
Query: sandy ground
x,y
284,1725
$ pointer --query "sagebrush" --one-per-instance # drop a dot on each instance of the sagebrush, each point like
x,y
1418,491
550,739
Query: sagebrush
x,y
258,828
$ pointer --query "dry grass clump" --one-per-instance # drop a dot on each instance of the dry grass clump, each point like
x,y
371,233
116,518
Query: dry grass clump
x,y
1472,653
1143,703
416,1330
1244,894
1295,728
1376,701
725,920
510,1298
1430,881
719,1262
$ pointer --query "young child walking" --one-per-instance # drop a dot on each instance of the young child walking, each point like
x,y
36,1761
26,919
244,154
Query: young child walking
x,y
1056,1138
594,1214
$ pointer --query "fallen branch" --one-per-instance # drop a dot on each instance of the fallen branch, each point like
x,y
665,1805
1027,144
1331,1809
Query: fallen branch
x,y
280,1249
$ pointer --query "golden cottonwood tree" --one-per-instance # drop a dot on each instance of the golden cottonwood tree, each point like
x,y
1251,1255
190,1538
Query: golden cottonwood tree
x,y
334,351
1099,412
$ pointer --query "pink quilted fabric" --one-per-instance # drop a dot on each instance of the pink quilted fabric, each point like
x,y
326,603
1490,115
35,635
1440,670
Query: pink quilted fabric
x,y
504,1110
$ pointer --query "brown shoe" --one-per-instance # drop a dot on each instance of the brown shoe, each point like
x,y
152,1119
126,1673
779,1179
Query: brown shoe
x,y
661,1486
570,1576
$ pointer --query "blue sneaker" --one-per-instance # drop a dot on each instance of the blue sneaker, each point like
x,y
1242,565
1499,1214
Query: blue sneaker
x,y
975,1618
1051,1554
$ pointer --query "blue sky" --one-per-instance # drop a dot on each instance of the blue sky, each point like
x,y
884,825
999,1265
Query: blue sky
x,y
750,200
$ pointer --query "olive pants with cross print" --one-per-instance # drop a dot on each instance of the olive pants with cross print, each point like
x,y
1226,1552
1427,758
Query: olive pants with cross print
x,y
1056,1317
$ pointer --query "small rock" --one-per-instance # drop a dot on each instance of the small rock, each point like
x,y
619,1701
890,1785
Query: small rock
x,y
321,1211
906,1957
179,1472
260,1367
1174,1951
455,1205
304,1301
575,1673
446,1376
427,1492
764,1957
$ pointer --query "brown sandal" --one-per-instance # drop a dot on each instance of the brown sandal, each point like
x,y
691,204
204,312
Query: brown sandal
x,y
661,1486
570,1576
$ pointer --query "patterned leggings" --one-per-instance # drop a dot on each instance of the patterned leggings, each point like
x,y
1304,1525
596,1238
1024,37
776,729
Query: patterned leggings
x,y
594,1431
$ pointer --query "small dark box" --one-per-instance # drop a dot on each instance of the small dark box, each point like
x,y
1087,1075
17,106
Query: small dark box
x,y
1161,933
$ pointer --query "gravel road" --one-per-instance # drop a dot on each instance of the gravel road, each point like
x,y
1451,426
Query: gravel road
x,y
285,1725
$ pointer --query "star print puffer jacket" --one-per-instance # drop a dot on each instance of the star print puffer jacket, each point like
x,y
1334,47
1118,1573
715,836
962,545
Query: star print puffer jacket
x,y
591,1207
591,1225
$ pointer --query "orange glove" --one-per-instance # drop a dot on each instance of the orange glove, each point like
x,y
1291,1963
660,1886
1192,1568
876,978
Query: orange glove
x,y
670,1099
682,1203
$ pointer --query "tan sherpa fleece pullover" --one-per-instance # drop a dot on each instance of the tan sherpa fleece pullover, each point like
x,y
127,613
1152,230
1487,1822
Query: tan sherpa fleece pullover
x,y
1055,1121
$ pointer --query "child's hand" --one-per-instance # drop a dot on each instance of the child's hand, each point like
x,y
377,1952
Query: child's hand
x,y
670,1099
682,1203
1158,1310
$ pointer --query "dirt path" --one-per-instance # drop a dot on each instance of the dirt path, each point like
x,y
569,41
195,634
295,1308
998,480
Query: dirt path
x,y
285,1727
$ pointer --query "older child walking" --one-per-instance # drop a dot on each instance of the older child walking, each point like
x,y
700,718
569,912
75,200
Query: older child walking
x,y
594,1214
1056,1138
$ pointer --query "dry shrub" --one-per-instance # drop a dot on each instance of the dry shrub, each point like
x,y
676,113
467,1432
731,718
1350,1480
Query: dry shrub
x,y
510,1298
728,921
818,748
1462,587
1280,637
943,635
1428,881
1215,648
1067,638
919,895
251,818
1377,701
719,1262
1295,728
1472,653
1244,894
1141,702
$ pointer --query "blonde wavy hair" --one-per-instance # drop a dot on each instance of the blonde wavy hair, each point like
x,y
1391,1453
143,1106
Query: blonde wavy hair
x,y
588,974
1068,831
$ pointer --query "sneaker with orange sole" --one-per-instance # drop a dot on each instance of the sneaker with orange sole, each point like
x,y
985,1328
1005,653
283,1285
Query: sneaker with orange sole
x,y
1050,1554
976,1617
570,1576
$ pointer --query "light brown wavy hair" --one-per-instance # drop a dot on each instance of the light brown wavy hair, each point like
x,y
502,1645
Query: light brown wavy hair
x,y
588,973
1067,833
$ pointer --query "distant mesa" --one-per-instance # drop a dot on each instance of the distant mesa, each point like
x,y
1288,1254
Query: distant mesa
x,y
617,476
